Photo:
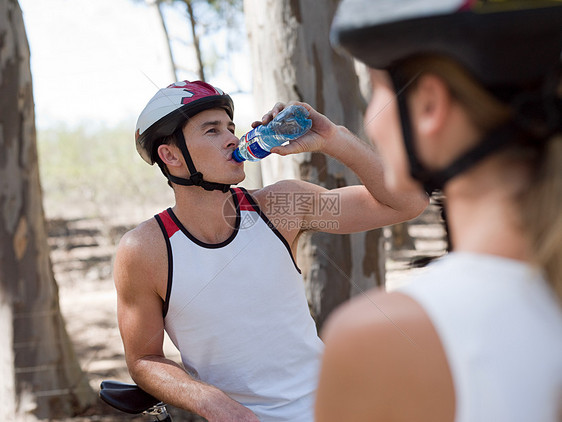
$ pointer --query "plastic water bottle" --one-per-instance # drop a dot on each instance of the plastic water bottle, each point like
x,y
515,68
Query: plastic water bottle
x,y
291,123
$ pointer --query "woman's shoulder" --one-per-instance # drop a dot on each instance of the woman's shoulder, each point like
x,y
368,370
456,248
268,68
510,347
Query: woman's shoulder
x,y
375,313
386,345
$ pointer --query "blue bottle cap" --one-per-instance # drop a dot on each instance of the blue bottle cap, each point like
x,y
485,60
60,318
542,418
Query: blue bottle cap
x,y
236,156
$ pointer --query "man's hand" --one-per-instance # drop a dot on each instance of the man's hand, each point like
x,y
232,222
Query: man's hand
x,y
315,140
224,409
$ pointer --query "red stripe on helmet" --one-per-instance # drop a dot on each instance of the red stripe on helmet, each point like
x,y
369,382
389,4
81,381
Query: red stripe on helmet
x,y
468,5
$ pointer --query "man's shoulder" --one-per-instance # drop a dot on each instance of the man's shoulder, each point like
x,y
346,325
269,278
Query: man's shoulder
x,y
142,242
286,187
141,255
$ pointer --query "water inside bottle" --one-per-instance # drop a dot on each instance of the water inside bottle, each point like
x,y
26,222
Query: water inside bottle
x,y
291,121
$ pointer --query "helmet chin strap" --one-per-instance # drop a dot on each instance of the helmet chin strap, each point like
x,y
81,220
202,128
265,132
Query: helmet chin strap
x,y
491,142
195,177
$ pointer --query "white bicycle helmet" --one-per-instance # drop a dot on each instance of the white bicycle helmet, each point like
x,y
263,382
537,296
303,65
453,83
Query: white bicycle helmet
x,y
166,113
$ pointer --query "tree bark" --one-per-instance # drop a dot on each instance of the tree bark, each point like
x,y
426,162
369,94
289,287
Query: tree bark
x,y
40,372
293,60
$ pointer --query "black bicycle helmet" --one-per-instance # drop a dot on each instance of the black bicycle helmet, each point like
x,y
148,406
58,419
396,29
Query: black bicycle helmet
x,y
504,44
165,115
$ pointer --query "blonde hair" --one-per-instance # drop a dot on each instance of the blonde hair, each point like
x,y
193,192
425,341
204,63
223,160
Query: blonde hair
x,y
541,204
542,213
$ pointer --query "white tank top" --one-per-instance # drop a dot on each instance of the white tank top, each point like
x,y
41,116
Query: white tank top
x,y
238,314
501,328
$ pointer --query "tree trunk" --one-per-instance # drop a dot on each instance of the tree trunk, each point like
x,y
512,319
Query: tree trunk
x,y
293,60
173,67
40,373
400,238
196,41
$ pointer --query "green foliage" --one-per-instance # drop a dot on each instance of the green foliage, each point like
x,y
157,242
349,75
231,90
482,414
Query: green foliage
x,y
97,171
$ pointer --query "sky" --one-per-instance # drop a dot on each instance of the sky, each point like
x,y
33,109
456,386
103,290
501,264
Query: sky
x,y
96,63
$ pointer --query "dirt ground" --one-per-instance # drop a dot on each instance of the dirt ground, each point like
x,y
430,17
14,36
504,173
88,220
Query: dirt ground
x,y
82,255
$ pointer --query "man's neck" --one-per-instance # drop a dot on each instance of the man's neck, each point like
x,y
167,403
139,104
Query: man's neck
x,y
210,216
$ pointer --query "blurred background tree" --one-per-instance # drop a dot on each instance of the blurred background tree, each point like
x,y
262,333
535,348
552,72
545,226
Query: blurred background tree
x,y
292,59
39,370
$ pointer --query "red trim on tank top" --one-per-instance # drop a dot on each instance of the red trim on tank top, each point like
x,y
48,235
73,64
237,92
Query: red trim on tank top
x,y
245,205
169,224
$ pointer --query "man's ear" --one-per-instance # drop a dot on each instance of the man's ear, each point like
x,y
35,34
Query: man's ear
x,y
169,155
430,105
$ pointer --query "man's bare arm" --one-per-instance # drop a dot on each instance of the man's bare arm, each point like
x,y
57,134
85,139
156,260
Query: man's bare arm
x,y
347,209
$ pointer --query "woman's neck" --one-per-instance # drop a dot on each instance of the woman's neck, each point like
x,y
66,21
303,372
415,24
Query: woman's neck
x,y
483,211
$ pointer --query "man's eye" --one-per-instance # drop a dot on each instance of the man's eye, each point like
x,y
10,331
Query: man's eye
x,y
213,130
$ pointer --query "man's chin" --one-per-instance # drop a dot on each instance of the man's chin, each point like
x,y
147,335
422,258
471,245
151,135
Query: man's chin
x,y
239,180
233,180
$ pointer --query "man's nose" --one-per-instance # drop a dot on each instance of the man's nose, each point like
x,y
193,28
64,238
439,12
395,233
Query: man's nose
x,y
232,141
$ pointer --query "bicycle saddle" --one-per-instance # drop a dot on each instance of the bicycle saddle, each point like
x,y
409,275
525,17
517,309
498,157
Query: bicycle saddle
x,y
128,398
